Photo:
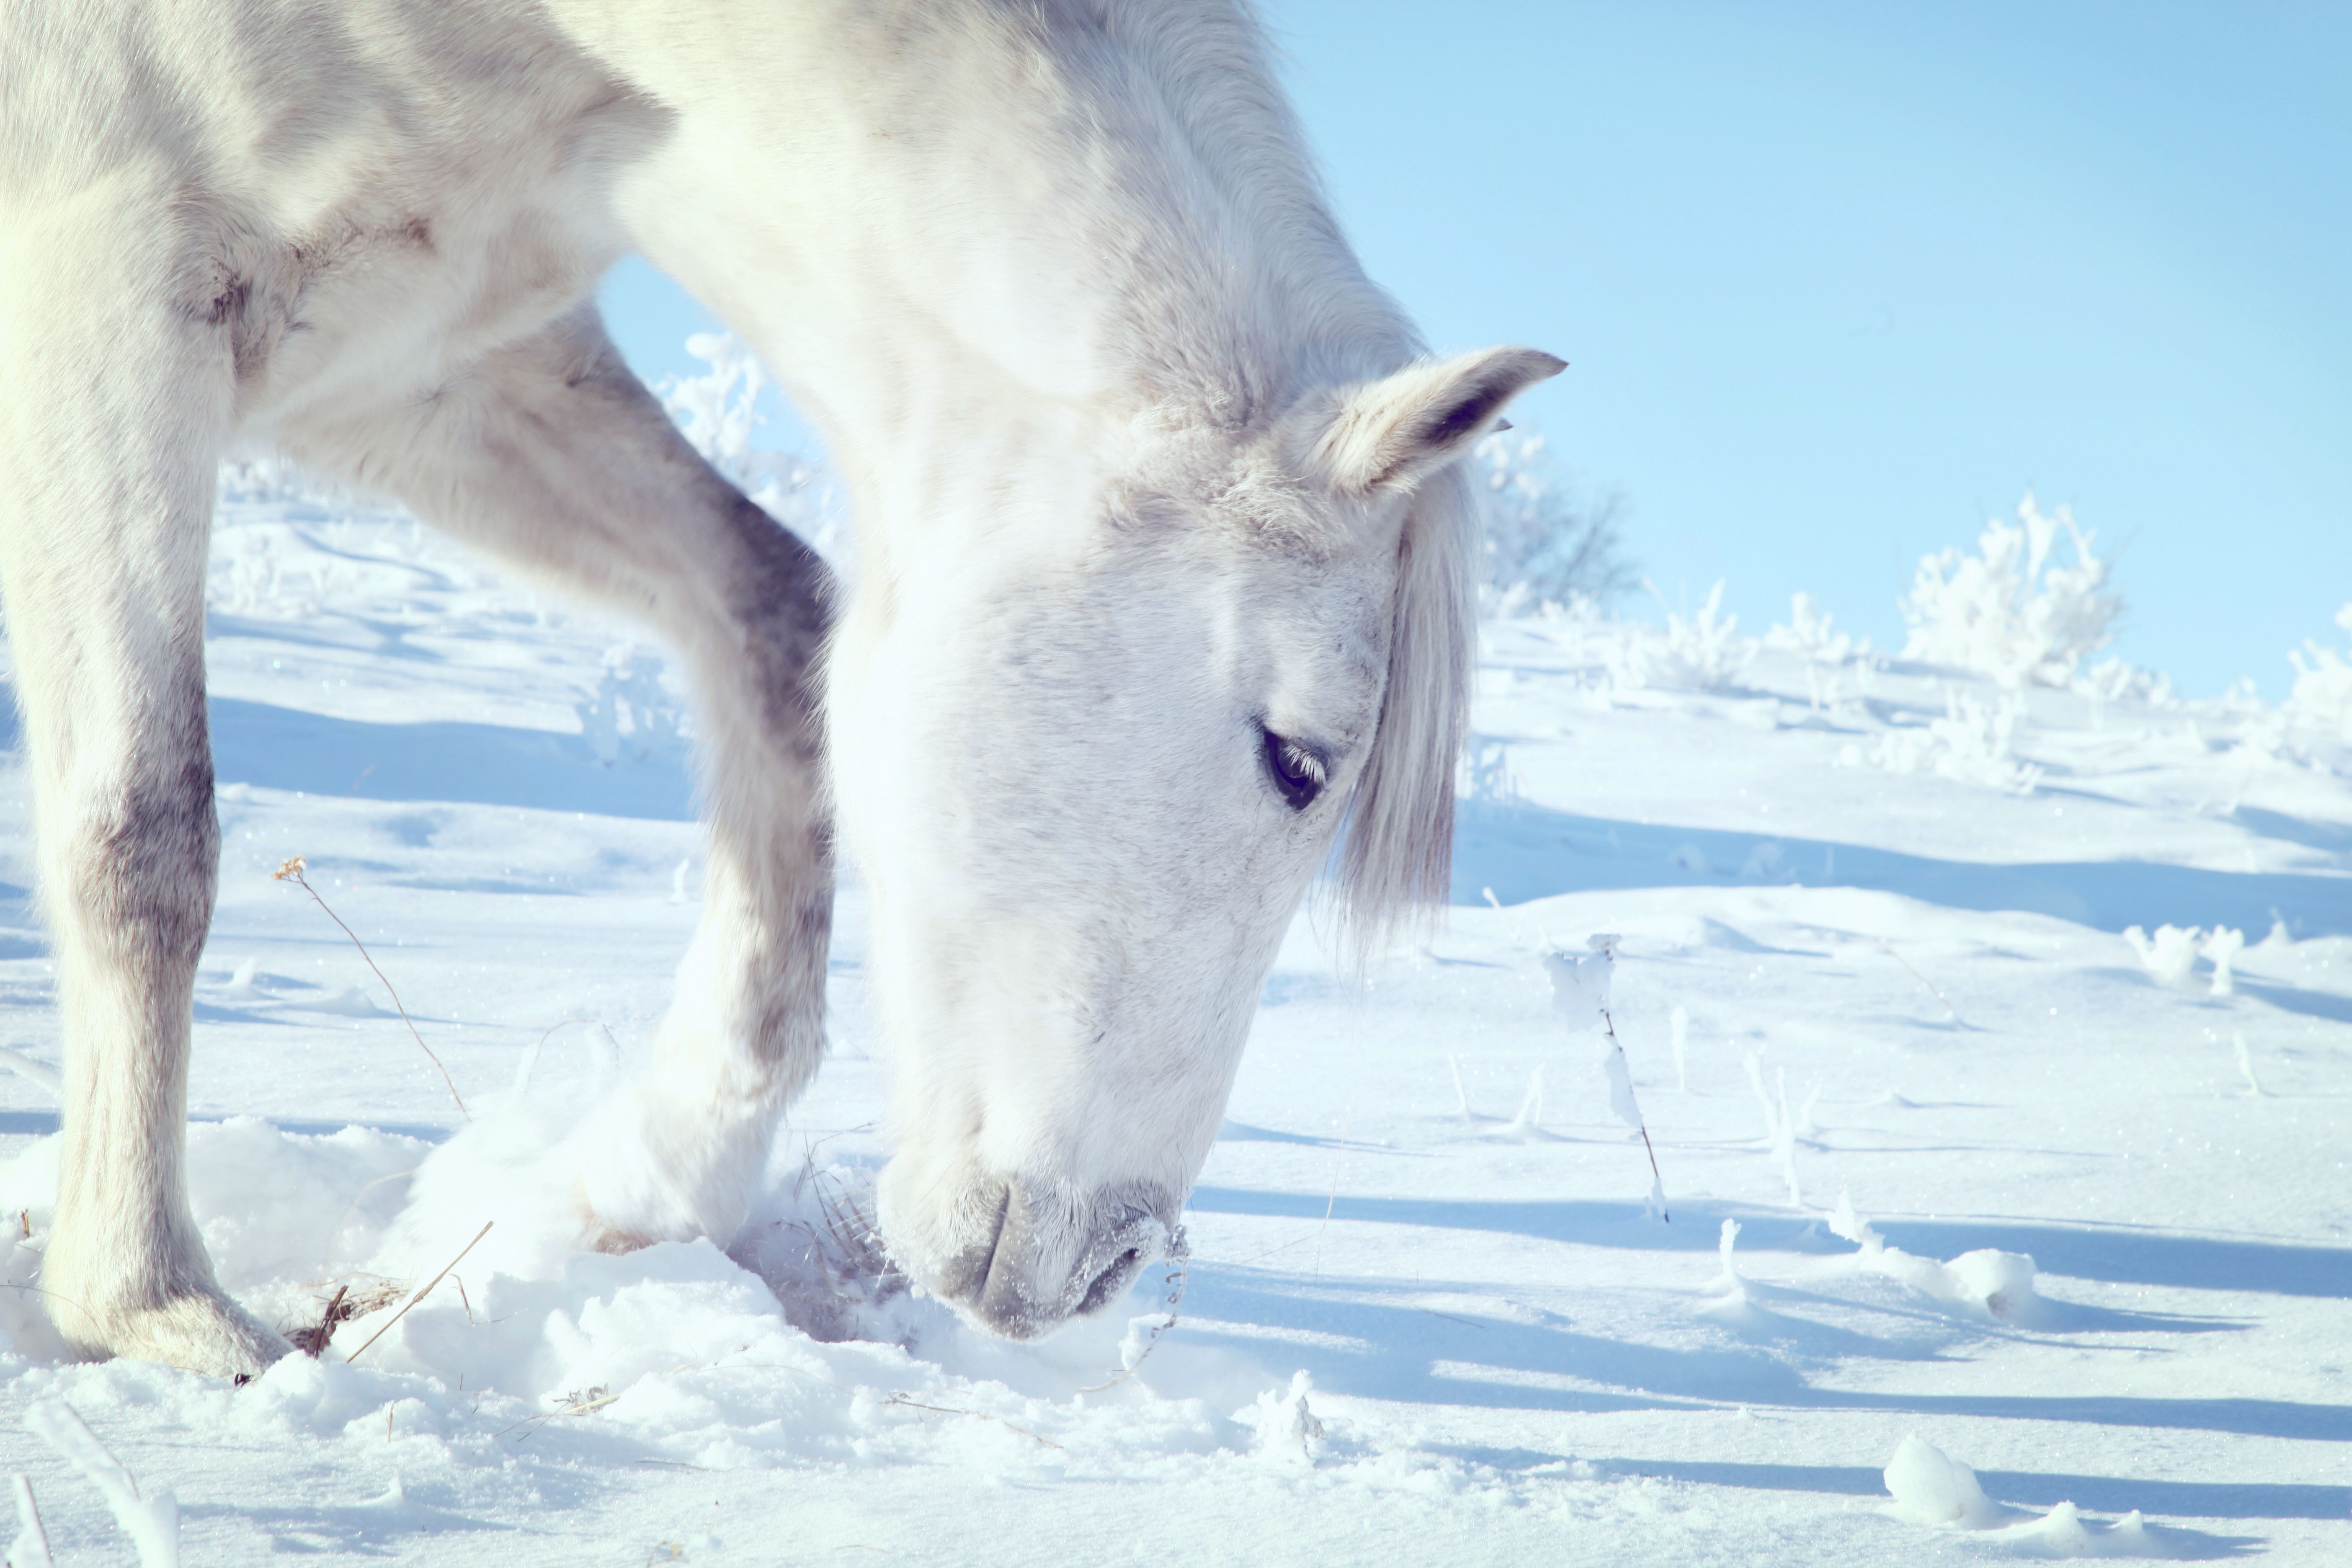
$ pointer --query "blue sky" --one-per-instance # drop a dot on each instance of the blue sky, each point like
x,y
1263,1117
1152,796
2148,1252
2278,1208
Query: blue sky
x,y
1838,281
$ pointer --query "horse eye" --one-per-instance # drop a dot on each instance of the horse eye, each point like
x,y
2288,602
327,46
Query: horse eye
x,y
1297,773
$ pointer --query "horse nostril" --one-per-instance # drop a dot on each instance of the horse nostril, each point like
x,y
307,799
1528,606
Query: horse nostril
x,y
1112,1281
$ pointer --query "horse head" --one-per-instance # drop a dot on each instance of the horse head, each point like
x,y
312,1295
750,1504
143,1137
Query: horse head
x,y
1091,753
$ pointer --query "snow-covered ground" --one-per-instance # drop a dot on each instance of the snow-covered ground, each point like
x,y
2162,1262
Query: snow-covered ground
x,y
1874,985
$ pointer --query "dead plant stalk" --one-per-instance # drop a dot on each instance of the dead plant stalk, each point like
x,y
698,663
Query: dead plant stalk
x,y
293,871
427,1291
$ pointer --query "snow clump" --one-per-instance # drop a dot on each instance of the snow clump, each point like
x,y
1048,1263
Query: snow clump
x,y
1289,1432
2170,955
1997,1285
1931,1487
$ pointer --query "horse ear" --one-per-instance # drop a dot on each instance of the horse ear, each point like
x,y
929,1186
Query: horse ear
x,y
1392,431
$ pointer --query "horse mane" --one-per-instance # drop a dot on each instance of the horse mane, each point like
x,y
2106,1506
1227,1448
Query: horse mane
x,y
1396,854
1211,93
1214,65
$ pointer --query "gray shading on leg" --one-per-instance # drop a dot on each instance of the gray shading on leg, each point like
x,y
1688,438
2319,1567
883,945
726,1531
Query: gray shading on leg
x,y
553,458
113,397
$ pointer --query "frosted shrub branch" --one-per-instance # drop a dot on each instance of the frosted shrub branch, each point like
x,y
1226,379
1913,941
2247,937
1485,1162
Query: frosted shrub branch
x,y
2006,612
2322,698
1549,548
1580,993
632,715
1699,652
1809,634
1974,742
719,413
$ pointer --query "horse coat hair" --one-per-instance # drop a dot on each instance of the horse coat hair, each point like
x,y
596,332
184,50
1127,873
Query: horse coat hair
x,y
1164,577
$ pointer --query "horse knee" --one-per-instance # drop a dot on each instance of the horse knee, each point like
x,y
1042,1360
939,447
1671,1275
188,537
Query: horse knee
x,y
135,869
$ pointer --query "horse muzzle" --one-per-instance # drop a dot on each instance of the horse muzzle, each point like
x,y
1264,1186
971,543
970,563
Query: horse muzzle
x,y
1050,1256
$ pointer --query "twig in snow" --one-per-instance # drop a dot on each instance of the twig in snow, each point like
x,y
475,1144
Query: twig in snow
x,y
1577,982
1178,1255
1889,949
34,1071
152,1522
585,1403
312,1341
1779,1127
906,1404
1528,1123
31,1547
293,871
412,1301
2246,1065
1508,923
358,1198
1657,1179
1339,1166
1339,1163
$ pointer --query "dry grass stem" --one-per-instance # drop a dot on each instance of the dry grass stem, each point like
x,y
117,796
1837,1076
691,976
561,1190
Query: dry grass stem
x,y
1179,1255
293,871
422,1294
1929,985
906,1404
372,1294
1610,1024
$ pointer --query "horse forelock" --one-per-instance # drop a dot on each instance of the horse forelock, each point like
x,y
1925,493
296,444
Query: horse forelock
x,y
1395,859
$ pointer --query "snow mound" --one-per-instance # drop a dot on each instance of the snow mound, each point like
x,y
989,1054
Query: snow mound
x,y
1931,1487
1987,1283
674,1354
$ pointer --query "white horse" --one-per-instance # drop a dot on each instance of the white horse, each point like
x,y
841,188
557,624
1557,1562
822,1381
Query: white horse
x,y
1165,568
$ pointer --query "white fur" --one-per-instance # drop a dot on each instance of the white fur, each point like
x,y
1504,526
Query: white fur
x,y
1140,461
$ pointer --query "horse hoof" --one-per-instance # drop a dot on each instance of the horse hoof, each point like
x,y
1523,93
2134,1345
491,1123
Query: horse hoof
x,y
203,1332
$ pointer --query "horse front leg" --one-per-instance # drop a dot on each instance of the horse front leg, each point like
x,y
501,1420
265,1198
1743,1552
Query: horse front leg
x,y
551,455
114,390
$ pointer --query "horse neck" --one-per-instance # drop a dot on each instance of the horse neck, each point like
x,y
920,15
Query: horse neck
x,y
980,248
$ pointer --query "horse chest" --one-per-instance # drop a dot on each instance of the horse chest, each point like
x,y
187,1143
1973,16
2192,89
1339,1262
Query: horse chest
x,y
381,252
391,300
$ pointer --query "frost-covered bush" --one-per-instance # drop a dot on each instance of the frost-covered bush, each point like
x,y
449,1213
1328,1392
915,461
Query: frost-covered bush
x,y
1700,652
2170,955
633,716
2323,684
1974,742
1809,633
1548,545
257,475
718,413
2006,612
2112,680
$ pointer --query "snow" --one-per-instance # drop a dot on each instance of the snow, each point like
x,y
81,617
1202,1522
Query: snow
x,y
1430,1314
